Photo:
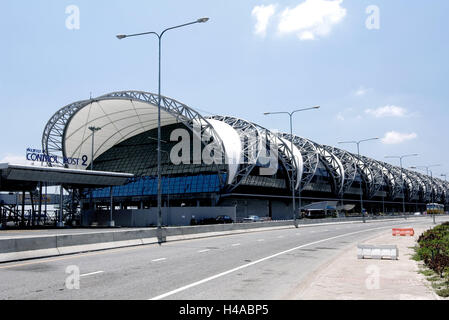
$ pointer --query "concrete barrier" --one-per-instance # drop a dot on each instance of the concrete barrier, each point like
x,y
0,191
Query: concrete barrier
x,y
379,252
15,248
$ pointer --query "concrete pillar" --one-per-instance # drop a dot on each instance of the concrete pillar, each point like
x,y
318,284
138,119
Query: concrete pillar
x,y
111,222
39,211
23,209
60,223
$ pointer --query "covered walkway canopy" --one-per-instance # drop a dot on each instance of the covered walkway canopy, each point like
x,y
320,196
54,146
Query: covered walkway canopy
x,y
21,177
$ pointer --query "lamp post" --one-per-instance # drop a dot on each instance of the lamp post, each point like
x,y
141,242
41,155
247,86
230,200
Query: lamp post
x,y
431,177
445,193
159,194
358,153
292,180
402,177
93,129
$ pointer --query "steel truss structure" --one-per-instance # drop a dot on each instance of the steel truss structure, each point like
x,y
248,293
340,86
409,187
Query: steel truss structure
x,y
310,158
342,166
53,139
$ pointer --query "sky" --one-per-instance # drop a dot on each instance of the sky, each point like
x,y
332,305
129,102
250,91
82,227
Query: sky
x,y
377,68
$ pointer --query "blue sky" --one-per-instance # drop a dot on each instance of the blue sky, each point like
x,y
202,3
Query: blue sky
x,y
251,57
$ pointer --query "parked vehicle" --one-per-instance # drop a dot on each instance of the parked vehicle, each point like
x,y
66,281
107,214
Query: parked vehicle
x,y
252,219
224,219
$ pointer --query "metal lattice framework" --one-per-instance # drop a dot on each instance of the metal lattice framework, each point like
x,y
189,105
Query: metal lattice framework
x,y
341,165
394,178
441,189
424,190
333,166
412,186
310,158
285,154
433,191
349,167
252,140
376,180
53,139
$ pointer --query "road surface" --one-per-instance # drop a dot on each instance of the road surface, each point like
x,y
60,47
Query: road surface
x,y
256,266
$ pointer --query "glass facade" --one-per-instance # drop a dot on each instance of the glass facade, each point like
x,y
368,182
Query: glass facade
x,y
138,155
147,186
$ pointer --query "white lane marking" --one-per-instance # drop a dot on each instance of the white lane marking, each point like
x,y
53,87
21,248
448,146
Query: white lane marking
x,y
261,240
158,260
165,295
205,250
236,245
280,237
91,274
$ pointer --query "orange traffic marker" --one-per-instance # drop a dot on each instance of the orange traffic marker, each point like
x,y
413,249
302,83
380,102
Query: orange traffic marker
x,y
403,232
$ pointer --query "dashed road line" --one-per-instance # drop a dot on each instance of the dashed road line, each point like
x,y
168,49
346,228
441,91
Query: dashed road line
x,y
158,260
162,296
91,274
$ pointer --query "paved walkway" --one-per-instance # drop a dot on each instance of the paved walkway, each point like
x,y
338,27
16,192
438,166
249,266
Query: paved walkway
x,y
347,278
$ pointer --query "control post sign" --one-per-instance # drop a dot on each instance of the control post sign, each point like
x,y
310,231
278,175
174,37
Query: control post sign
x,y
37,155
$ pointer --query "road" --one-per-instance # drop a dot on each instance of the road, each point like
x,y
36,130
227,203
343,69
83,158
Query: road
x,y
256,266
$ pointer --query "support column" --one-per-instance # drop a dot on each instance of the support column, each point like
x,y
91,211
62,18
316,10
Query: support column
x,y
31,218
40,204
22,223
111,222
60,223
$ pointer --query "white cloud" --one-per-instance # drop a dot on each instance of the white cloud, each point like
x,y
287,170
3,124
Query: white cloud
x,y
263,15
312,18
394,137
387,111
340,117
361,91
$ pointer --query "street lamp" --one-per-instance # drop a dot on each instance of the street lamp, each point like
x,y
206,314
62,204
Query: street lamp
x,y
159,194
402,176
358,153
93,129
292,180
431,176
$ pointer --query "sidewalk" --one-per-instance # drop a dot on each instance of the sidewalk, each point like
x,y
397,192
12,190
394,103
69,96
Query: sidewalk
x,y
347,278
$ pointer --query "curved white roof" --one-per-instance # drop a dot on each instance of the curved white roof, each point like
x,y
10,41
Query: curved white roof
x,y
119,120
232,144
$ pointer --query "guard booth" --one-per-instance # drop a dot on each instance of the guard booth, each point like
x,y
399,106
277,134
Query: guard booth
x,y
31,180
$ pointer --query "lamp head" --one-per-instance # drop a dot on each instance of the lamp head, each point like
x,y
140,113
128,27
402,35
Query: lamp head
x,y
121,36
202,20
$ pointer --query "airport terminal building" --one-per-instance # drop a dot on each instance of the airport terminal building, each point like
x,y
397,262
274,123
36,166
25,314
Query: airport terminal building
x,y
125,141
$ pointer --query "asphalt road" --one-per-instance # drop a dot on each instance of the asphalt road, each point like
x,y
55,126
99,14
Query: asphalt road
x,y
257,266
